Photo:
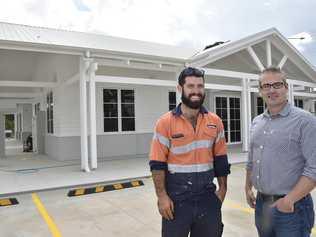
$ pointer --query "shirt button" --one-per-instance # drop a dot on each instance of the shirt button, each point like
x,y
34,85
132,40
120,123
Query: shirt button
x,y
258,177
258,161
261,147
264,132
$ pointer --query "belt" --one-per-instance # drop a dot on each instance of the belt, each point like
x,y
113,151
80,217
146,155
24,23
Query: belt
x,y
269,198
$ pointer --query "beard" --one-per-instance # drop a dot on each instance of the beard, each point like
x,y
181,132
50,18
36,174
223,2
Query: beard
x,y
193,104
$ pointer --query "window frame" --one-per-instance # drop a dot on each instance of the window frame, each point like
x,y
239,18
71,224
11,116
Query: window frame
x,y
257,106
297,102
229,120
50,112
119,111
175,104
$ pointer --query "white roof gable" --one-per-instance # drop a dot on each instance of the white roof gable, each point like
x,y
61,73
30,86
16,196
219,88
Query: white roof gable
x,y
86,41
224,50
39,37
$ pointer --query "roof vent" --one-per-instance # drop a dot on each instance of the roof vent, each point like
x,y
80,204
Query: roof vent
x,y
214,45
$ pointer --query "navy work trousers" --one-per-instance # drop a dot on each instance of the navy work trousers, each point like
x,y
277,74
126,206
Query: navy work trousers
x,y
201,217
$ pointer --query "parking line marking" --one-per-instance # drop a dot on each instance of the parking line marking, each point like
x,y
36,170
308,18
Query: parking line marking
x,y
49,221
238,207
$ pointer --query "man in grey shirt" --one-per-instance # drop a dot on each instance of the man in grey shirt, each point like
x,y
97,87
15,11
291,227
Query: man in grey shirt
x,y
282,162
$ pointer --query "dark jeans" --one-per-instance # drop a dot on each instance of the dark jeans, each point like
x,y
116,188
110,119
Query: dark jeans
x,y
200,217
271,222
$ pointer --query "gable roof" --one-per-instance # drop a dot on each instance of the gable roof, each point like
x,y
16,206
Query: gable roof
x,y
223,50
80,41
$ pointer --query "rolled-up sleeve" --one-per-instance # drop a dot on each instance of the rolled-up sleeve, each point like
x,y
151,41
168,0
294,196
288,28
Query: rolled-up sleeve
x,y
308,143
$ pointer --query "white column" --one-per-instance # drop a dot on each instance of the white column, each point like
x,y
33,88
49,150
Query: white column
x,y
2,136
246,114
291,93
178,95
15,125
269,58
249,109
43,101
93,127
83,115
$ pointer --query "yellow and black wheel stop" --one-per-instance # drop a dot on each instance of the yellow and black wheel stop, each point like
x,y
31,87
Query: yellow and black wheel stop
x,y
8,202
106,188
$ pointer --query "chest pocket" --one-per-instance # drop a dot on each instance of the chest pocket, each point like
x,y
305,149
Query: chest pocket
x,y
179,139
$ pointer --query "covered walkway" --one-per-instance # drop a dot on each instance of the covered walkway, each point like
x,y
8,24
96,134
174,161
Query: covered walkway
x,y
30,172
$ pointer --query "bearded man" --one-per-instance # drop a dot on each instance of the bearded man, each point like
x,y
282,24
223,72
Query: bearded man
x,y
188,150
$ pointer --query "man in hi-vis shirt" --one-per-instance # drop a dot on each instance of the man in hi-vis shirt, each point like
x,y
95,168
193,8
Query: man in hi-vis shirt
x,y
188,150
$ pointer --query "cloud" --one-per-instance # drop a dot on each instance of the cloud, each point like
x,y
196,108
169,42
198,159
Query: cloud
x,y
178,22
80,5
175,22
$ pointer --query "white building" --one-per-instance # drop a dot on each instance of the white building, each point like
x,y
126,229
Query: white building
x,y
87,96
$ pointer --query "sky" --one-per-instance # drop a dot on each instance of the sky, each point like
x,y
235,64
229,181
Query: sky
x,y
186,23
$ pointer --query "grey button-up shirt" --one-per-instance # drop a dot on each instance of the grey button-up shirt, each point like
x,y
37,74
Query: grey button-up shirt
x,y
282,149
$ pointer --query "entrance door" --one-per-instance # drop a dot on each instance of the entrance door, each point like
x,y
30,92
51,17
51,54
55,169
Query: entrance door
x,y
228,109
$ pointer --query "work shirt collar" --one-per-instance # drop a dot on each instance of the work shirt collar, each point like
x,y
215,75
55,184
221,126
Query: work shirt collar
x,y
177,110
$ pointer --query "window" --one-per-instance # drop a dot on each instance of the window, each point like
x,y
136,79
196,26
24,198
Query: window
x,y
50,112
172,100
234,112
36,108
261,105
299,103
110,110
118,110
128,110
221,111
228,109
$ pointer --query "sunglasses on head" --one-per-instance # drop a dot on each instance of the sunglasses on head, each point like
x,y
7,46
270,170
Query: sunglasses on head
x,y
191,71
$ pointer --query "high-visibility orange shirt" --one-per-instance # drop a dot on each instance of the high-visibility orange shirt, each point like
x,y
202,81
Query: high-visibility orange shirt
x,y
179,148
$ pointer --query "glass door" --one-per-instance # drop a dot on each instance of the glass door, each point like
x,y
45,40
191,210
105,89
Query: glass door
x,y
228,109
